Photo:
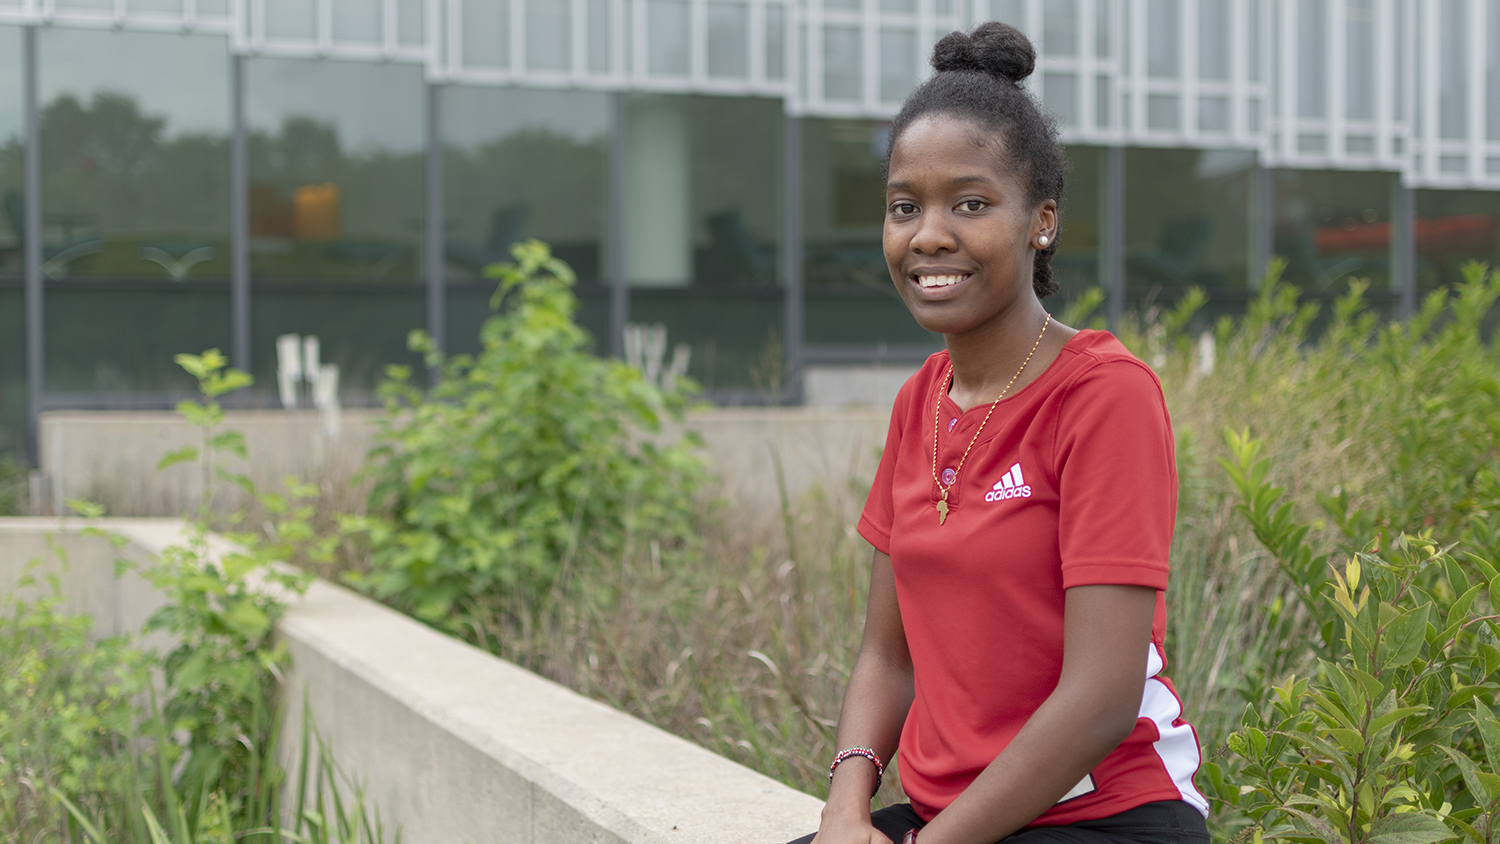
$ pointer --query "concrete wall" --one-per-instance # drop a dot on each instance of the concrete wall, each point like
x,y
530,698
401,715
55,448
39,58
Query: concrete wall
x,y
451,743
110,456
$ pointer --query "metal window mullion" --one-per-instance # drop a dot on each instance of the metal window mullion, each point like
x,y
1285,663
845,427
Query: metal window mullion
x,y
517,10
1087,109
1428,54
239,220
1385,70
437,301
792,59
791,251
638,57
1138,56
578,25
1187,70
1336,79
453,49
1290,107
927,32
323,37
756,33
619,298
697,43
389,44
1239,98
814,55
869,59
32,247
618,39
1477,54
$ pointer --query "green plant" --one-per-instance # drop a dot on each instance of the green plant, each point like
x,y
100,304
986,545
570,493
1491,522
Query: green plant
x,y
523,465
1392,739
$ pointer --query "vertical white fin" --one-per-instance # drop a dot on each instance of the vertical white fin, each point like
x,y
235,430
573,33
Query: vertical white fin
x,y
1015,472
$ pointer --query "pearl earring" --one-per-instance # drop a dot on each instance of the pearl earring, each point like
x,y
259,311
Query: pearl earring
x,y
1043,241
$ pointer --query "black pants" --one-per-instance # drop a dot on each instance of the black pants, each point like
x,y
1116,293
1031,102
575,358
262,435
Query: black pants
x,y
1166,822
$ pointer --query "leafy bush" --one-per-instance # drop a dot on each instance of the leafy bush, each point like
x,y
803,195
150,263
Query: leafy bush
x,y
1391,736
523,464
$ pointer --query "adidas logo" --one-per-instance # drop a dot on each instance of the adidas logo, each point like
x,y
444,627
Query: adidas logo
x,y
1010,485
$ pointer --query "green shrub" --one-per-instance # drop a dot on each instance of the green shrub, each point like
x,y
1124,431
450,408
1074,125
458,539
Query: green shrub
x,y
522,465
1391,736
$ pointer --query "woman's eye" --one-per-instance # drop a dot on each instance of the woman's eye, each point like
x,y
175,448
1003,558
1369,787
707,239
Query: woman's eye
x,y
901,209
972,205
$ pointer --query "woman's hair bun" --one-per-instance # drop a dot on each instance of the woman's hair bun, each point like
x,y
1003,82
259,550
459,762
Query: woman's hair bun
x,y
995,48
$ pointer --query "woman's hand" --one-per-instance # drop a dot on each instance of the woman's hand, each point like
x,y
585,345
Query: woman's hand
x,y
848,828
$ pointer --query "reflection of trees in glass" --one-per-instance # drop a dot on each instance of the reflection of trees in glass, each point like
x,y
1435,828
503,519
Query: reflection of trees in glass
x,y
319,210
109,170
532,183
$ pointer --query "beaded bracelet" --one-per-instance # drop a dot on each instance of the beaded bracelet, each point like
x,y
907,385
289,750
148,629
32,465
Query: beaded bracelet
x,y
849,753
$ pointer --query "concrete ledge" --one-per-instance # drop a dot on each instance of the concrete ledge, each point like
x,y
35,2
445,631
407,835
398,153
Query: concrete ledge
x,y
455,745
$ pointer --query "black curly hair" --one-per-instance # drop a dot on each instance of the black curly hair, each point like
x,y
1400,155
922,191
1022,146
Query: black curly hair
x,y
979,79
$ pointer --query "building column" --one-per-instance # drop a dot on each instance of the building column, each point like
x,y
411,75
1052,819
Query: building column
x,y
1404,246
658,182
1112,233
791,251
239,221
32,247
437,299
619,294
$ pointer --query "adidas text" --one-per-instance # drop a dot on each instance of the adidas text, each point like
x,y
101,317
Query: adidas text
x,y
1002,494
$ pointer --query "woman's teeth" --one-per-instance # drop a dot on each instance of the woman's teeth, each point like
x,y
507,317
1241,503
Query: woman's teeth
x,y
938,280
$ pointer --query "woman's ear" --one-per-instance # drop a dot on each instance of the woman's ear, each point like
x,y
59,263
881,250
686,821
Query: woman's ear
x,y
1045,224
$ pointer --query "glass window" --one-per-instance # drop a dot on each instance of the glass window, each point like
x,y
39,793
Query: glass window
x,y
485,33
667,36
1060,28
1060,94
1186,220
1359,51
1312,58
851,308
1213,39
135,209
728,40
1331,226
1453,69
1163,22
842,68
703,261
12,294
1076,263
336,163
898,64
521,163
1453,228
549,35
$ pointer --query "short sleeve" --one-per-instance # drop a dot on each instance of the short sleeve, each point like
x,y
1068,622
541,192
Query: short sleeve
x,y
1117,478
880,507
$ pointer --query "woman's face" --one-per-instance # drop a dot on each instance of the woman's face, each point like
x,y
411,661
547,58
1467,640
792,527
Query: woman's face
x,y
959,230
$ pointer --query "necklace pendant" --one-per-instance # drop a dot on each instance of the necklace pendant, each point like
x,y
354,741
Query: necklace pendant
x,y
942,508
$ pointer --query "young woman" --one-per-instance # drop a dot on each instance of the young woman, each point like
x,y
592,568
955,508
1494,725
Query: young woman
x,y
1021,515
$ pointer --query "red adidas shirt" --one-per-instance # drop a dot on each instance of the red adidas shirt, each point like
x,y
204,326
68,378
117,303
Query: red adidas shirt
x,y
1072,482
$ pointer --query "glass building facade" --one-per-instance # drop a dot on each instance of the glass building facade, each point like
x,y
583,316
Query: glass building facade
x,y
215,174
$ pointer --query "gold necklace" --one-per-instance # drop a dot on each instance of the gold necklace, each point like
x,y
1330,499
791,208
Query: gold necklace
x,y
937,412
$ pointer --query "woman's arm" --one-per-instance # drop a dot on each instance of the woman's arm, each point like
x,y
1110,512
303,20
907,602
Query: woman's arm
x,y
875,706
1107,631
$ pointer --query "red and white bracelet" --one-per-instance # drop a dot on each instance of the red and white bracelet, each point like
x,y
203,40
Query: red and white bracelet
x,y
851,752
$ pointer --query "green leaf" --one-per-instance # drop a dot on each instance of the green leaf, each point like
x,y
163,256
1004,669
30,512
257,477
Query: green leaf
x,y
1408,828
232,442
186,454
1473,777
1403,638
